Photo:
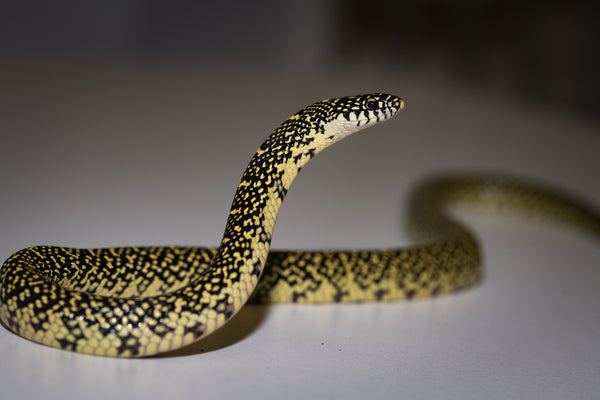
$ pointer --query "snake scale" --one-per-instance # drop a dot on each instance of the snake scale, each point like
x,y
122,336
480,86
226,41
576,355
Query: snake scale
x,y
142,301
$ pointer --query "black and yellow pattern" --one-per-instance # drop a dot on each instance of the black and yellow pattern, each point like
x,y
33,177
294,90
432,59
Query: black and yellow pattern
x,y
138,301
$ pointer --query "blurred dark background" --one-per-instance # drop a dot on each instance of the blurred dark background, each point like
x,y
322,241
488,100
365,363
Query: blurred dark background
x,y
546,51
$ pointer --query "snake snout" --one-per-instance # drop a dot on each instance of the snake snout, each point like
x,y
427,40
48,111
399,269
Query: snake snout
x,y
393,103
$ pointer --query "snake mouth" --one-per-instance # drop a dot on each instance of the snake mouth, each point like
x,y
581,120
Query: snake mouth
x,y
401,105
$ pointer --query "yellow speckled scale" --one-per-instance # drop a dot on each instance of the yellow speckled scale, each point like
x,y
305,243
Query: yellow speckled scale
x,y
141,301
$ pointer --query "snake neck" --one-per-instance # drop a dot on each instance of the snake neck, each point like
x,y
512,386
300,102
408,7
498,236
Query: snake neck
x,y
259,196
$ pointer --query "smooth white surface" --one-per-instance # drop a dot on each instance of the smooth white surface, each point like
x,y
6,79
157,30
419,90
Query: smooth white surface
x,y
106,155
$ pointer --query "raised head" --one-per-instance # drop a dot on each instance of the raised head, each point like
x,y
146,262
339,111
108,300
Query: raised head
x,y
338,118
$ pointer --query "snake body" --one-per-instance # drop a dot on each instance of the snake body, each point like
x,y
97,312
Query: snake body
x,y
142,301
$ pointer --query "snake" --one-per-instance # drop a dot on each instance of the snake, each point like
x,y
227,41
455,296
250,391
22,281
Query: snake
x,y
143,301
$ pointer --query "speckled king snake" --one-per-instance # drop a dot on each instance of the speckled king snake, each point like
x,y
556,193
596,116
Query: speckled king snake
x,y
133,302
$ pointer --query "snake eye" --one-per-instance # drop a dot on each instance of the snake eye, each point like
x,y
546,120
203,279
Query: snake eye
x,y
372,104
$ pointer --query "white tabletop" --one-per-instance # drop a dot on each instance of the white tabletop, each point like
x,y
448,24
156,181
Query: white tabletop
x,y
138,154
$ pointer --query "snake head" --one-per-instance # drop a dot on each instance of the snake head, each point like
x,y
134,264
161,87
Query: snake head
x,y
328,121
321,124
366,109
351,114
